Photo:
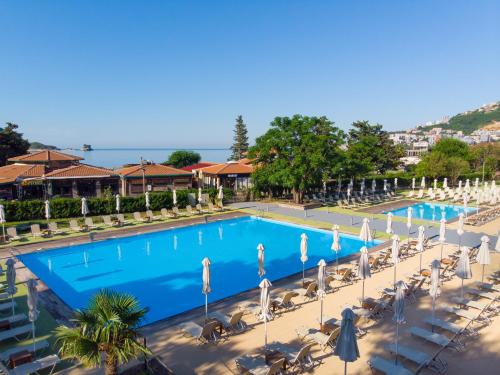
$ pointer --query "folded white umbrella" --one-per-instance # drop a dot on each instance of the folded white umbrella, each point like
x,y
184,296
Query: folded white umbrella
x,y
460,228
467,185
206,282
336,243
395,255
483,255
420,243
118,202
476,183
388,230
321,287
445,183
32,307
459,184
409,218
147,200
47,210
413,183
347,345
200,198
365,234
174,197
374,185
422,183
434,290
220,196
395,183
11,280
435,183
442,234
399,311
363,269
463,270
265,304
385,185
2,220
260,259
303,253
85,208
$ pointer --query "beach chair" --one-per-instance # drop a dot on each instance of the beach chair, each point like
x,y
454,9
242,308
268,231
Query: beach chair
x,y
372,309
151,216
469,303
308,293
323,340
35,231
256,365
230,322
421,359
12,234
33,367
15,332
436,338
337,322
106,219
39,346
449,326
138,218
488,287
54,229
466,314
122,220
189,210
176,211
89,222
200,209
165,214
7,306
387,367
212,208
411,194
221,206
344,278
15,319
203,334
299,358
75,227
479,293
285,302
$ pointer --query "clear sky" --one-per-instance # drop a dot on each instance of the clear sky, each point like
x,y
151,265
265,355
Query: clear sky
x,y
177,73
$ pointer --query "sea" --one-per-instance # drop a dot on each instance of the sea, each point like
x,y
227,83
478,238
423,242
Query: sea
x,y
117,157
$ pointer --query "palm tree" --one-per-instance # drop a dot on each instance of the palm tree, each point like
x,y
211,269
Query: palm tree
x,y
105,331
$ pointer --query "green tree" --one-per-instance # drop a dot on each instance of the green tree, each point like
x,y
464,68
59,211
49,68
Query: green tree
x,y
183,158
240,140
105,331
371,150
485,157
451,147
296,153
12,143
455,167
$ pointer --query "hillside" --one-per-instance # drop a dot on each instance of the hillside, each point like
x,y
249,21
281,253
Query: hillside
x,y
41,146
471,120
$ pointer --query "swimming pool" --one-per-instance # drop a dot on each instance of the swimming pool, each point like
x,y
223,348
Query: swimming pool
x,y
163,269
432,211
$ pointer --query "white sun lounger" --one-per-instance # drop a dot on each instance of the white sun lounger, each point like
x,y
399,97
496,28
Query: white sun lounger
x,y
256,365
13,319
39,345
488,287
436,338
7,306
466,314
33,367
422,359
203,334
470,303
388,367
14,332
480,293
448,326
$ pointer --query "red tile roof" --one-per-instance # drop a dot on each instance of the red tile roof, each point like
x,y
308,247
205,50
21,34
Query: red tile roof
x,y
151,170
228,168
45,156
80,171
202,164
10,173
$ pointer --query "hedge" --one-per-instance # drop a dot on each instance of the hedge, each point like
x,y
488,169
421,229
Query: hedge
x,y
71,207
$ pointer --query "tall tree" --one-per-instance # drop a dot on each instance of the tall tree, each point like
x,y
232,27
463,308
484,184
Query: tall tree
x,y
12,143
296,153
240,140
106,330
371,149
183,158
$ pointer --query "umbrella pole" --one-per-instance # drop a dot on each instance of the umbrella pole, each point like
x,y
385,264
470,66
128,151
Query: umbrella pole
x,y
33,328
394,283
363,293
265,333
482,275
303,274
441,251
206,306
420,262
321,315
462,290
3,232
409,239
337,260
345,367
12,301
397,339
459,242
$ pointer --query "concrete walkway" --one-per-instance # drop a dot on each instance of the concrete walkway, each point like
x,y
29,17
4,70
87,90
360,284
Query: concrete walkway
x,y
468,238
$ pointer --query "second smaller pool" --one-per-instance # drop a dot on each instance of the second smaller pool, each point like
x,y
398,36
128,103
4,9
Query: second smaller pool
x,y
432,211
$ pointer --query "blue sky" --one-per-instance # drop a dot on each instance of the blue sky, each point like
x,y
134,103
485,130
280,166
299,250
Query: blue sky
x,y
177,73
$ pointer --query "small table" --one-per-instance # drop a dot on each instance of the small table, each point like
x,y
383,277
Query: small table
x,y
20,358
446,261
46,233
4,325
426,273
274,356
219,324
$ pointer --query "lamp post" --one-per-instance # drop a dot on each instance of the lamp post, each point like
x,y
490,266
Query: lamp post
x,y
143,169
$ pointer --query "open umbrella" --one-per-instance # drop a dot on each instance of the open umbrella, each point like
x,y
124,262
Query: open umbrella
x,y
174,197
336,244
363,270
11,281
118,202
32,306
347,346
463,270
365,234
260,260
85,208
442,235
2,220
460,228
206,282
422,183
413,183
483,255
146,195
395,254
434,290
265,302
420,243
200,198
321,287
389,223
303,253
408,222
399,310
47,210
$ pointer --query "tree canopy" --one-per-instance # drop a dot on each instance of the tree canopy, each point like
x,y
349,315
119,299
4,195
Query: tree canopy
x,y
240,138
183,158
12,143
296,153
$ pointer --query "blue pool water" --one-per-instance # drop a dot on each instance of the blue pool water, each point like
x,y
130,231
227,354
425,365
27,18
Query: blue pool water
x,y
163,269
432,211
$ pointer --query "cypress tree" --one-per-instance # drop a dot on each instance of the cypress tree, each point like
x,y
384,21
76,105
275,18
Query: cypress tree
x,y
240,144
